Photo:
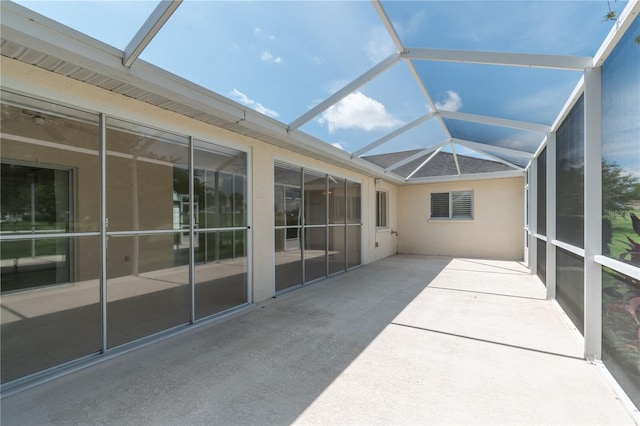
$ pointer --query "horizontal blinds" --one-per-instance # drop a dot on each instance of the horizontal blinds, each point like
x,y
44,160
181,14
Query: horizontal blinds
x,y
381,206
440,204
461,205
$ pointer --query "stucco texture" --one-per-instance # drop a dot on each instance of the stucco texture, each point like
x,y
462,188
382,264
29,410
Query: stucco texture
x,y
496,231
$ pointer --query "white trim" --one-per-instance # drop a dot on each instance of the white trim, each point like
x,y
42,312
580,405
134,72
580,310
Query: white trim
x,y
616,265
540,237
568,247
386,207
467,177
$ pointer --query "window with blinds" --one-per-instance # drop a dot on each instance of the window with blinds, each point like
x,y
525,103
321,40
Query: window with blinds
x,y
381,209
452,205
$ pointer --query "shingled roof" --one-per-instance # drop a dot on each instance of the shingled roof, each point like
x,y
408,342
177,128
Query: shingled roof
x,y
442,164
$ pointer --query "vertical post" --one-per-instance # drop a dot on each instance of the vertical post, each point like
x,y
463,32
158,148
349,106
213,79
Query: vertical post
x,y
248,250
551,215
302,228
33,214
592,213
192,213
346,224
532,205
218,219
103,228
327,229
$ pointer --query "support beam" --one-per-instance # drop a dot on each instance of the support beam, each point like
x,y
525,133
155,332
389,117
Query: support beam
x,y
592,213
483,147
415,156
148,30
551,215
346,90
531,206
424,163
392,135
387,24
396,39
455,158
494,121
574,63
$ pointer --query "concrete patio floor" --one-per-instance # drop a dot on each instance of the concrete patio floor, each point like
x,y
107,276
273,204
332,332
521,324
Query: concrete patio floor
x,y
405,340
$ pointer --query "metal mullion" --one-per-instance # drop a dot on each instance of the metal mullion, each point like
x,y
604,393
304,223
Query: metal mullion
x,y
533,215
30,236
192,272
103,229
551,216
346,223
326,220
302,225
142,232
450,204
229,228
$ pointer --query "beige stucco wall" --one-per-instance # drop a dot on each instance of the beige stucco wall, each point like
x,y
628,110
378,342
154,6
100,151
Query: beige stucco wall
x,y
36,82
496,232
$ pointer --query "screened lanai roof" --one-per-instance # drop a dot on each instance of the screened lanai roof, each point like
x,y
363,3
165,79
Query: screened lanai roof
x,y
423,82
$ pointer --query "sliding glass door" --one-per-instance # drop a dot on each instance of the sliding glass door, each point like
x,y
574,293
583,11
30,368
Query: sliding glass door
x,y
317,225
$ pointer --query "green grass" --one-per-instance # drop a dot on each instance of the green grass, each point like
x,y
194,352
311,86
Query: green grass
x,y
22,248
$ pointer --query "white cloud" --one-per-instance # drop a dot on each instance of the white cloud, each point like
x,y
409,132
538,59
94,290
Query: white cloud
x,y
379,45
268,57
245,100
449,101
338,145
358,111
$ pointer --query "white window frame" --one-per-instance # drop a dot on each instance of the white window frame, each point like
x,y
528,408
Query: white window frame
x,y
453,212
380,213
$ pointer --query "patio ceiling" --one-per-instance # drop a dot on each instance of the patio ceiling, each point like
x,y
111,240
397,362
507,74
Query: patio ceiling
x,y
347,81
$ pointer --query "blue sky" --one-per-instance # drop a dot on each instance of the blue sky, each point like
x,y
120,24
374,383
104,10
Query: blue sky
x,y
283,57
